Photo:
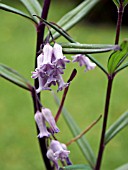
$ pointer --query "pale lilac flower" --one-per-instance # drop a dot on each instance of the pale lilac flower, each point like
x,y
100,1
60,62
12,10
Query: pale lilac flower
x,y
84,61
58,151
41,125
50,155
47,114
50,66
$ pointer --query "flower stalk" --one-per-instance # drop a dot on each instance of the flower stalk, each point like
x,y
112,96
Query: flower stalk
x,y
119,21
40,38
104,126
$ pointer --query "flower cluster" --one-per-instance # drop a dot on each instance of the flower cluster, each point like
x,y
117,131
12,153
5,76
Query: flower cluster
x,y
41,118
50,66
58,151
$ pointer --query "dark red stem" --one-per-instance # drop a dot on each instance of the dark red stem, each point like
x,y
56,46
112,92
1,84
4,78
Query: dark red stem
x,y
119,21
102,146
40,39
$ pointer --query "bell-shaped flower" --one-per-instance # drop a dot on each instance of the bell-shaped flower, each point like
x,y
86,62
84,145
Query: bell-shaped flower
x,y
60,59
41,125
61,83
50,155
50,66
84,61
58,150
47,114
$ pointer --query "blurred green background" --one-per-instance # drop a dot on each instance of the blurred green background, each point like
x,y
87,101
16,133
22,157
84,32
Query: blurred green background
x,y
19,148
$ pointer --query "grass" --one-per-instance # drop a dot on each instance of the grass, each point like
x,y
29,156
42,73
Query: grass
x,y
85,101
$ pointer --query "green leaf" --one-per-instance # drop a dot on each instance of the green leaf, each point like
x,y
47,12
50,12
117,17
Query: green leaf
x,y
122,67
117,3
14,77
90,46
16,11
37,7
123,167
58,29
117,57
120,124
74,16
78,167
76,48
82,142
30,8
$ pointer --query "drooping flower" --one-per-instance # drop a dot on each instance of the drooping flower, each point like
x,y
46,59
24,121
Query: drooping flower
x,y
50,155
84,61
58,151
50,66
41,125
47,114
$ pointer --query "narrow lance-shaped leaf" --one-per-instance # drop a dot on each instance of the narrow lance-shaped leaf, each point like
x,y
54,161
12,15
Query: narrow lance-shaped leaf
x,y
90,46
117,3
76,167
117,57
82,142
123,167
74,16
16,11
14,77
120,124
58,29
37,7
84,50
28,5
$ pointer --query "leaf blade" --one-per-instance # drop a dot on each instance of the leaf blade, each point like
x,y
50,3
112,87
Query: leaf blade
x,y
123,167
16,11
114,129
117,57
74,16
14,77
29,8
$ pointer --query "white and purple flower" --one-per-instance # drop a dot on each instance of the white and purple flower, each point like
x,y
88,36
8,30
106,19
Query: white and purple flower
x,y
58,151
84,61
41,118
50,66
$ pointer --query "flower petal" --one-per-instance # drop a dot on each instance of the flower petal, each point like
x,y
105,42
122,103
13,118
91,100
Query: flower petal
x,y
41,125
47,114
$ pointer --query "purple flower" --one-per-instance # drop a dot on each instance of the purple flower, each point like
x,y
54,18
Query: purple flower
x,y
53,158
41,125
47,114
84,61
57,151
50,66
